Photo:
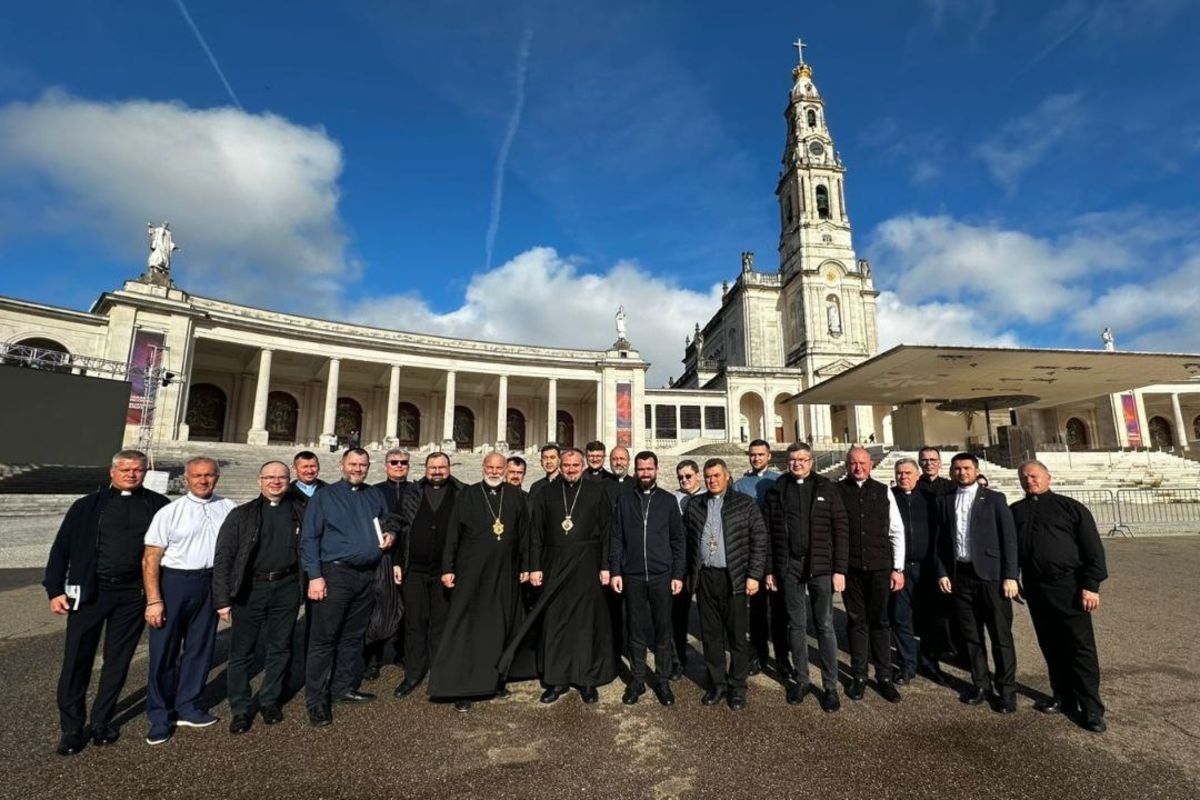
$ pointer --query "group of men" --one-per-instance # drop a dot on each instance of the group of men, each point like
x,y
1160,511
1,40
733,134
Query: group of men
x,y
475,586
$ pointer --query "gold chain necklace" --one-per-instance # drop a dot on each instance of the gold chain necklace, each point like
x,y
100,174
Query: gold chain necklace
x,y
497,525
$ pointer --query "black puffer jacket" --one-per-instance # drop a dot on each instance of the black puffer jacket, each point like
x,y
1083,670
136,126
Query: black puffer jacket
x,y
745,538
235,545
828,531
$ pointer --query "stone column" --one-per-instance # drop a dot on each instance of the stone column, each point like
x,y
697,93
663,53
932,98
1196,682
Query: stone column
x,y
448,414
258,424
393,402
1181,435
552,410
502,414
331,394
600,411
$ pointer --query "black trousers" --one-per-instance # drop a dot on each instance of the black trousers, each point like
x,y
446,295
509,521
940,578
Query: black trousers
x,y
979,606
681,612
867,627
723,622
769,623
1068,643
648,621
426,603
118,614
335,644
268,612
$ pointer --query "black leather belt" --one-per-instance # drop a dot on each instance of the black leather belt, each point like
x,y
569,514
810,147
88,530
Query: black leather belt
x,y
176,571
348,565
278,575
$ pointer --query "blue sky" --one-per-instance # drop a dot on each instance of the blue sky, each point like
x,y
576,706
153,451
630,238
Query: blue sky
x,y
1018,171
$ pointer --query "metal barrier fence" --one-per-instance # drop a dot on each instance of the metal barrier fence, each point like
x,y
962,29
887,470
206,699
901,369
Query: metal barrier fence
x,y
1147,511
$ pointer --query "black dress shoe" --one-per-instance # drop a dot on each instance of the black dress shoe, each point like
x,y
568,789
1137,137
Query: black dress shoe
x,y
320,717
795,693
856,689
901,676
1095,724
712,697
462,706
371,673
272,715
1050,706
405,688
677,672
787,672
241,723
355,696
754,667
632,692
73,742
662,690
502,691
936,675
589,695
974,696
888,691
830,702
103,735
737,700
552,694
1006,706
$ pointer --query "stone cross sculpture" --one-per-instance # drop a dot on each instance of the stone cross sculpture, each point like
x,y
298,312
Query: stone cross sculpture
x,y
162,248
621,317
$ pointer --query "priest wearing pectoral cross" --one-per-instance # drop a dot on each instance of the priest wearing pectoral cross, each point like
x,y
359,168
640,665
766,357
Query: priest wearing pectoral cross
x,y
483,564
570,524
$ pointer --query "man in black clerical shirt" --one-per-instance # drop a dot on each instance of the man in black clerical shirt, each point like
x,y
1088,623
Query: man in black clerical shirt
x,y
929,459
425,513
94,578
514,472
387,624
595,471
256,586
1062,566
551,455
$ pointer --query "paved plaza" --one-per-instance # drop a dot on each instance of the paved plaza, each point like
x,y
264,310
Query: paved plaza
x,y
929,745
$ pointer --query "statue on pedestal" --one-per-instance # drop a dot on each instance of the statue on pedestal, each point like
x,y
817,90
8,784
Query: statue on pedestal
x,y
162,248
1106,336
621,317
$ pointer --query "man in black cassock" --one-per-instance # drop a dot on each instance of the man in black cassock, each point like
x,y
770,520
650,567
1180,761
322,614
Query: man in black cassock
x,y
1062,566
570,525
483,566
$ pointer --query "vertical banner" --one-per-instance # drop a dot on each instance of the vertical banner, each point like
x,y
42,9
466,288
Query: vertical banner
x,y
144,344
625,414
1129,411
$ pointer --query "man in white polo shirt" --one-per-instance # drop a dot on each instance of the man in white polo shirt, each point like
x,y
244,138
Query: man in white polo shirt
x,y
177,573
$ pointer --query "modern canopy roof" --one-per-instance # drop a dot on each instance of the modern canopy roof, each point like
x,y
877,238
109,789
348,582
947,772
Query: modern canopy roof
x,y
912,373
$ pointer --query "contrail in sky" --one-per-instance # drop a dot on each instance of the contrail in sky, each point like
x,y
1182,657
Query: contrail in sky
x,y
1085,19
514,123
211,58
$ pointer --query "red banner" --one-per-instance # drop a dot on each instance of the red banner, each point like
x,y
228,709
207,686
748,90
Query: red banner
x,y
1133,429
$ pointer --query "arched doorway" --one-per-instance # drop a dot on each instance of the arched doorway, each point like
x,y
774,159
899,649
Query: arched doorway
x,y
52,355
283,411
408,425
1196,428
787,424
349,420
1077,434
464,428
751,409
565,429
515,435
206,413
1160,433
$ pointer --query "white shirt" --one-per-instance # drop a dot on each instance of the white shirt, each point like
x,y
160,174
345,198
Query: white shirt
x,y
895,528
964,501
187,529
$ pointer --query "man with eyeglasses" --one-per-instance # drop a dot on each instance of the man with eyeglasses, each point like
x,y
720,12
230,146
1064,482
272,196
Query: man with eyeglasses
x,y
256,587
687,474
929,459
387,619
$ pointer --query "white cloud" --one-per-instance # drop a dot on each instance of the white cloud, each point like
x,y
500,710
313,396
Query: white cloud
x,y
541,298
1159,313
1023,142
254,196
936,323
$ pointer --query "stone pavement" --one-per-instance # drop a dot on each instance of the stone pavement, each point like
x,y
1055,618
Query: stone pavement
x,y
928,746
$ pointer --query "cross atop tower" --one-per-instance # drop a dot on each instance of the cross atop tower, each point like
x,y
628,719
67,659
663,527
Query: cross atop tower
x,y
799,44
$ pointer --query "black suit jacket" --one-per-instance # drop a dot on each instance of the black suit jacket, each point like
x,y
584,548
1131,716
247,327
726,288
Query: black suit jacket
x,y
993,537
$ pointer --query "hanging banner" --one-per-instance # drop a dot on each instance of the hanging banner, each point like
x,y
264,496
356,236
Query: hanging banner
x,y
625,414
1133,430
145,345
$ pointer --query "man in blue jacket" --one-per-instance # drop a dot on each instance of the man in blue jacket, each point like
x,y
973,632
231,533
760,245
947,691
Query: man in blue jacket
x,y
647,560
94,578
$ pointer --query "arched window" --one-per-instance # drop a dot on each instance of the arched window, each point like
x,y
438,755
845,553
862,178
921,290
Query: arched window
x,y
408,425
283,411
565,429
1160,433
516,430
812,118
206,413
464,428
822,202
1077,434
349,420
38,353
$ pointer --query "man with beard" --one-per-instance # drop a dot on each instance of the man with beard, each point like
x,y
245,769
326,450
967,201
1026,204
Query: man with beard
x,y
256,587
768,610
876,569
687,474
618,462
483,569
570,529
514,473
94,578
550,457
648,561
728,543
1062,565
347,527
425,513
595,470
307,467
810,543
387,619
